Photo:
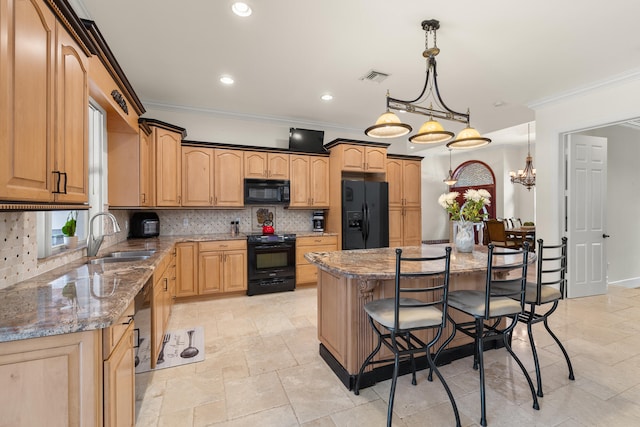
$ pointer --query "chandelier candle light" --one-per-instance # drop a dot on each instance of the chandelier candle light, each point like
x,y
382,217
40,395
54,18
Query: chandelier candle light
x,y
471,214
389,125
526,177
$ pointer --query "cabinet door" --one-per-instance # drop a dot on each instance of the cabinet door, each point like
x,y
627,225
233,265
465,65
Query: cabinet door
x,y
375,159
255,164
299,191
157,317
235,271
197,176
27,60
186,269
412,227
319,181
394,178
71,149
278,166
146,170
168,167
229,178
210,272
411,180
119,383
353,158
396,222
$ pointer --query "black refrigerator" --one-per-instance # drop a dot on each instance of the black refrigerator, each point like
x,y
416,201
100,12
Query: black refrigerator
x,y
365,214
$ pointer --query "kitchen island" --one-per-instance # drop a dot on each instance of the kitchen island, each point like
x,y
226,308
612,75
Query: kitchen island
x,y
347,280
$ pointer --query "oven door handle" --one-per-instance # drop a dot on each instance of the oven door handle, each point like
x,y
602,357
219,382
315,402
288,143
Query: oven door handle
x,y
285,246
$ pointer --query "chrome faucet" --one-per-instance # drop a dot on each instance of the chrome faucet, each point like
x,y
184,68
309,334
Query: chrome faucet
x,y
93,243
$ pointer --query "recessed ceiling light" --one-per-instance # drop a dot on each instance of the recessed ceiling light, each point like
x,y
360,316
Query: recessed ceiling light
x,y
327,97
227,80
241,9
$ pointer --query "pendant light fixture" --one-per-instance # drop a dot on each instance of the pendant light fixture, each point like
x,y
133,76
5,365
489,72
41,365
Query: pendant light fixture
x,y
450,180
526,177
389,125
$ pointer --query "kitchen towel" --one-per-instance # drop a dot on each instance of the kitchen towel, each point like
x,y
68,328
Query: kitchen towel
x,y
179,347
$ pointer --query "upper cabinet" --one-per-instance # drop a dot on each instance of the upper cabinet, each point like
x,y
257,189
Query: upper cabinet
x,y
168,149
404,178
197,176
266,165
310,181
228,178
361,158
43,107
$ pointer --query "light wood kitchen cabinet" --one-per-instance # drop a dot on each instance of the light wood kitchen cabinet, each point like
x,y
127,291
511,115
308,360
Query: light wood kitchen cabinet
x,y
228,178
161,302
52,381
43,107
404,176
168,168
222,266
119,371
405,226
307,273
197,178
266,165
186,269
310,181
133,153
361,158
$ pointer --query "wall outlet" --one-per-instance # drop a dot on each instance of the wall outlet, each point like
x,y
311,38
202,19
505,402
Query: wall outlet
x,y
185,222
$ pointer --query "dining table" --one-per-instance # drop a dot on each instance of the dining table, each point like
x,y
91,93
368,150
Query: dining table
x,y
524,234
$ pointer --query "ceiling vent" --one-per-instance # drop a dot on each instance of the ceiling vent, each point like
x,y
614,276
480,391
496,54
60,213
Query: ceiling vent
x,y
374,76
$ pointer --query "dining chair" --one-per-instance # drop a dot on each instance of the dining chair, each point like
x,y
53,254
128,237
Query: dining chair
x,y
495,312
498,235
419,307
549,288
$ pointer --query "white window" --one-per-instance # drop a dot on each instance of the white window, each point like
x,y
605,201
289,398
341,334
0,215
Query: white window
x,y
50,236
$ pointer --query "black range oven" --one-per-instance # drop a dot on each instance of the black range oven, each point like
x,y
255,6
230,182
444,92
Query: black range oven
x,y
271,263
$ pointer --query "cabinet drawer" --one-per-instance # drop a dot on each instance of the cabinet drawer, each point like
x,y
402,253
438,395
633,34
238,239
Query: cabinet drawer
x,y
316,240
319,248
112,334
222,245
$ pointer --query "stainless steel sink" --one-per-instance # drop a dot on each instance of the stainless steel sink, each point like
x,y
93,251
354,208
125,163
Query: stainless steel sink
x,y
110,259
129,254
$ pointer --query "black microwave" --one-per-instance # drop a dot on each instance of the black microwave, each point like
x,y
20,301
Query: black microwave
x,y
266,192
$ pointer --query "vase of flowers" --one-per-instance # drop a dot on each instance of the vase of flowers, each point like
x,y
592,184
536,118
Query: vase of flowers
x,y
466,217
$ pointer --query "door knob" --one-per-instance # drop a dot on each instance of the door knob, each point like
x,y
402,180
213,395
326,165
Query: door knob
x,y
604,236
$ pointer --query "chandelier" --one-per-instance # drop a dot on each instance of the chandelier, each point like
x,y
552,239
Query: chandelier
x,y
389,125
526,177
450,180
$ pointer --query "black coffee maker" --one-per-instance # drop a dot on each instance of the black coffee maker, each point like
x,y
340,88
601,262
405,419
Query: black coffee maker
x,y
318,221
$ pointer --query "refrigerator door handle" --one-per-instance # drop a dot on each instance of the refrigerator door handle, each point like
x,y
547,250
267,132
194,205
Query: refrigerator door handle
x,y
363,225
366,222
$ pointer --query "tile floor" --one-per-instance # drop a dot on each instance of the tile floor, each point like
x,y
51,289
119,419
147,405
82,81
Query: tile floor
x,y
262,369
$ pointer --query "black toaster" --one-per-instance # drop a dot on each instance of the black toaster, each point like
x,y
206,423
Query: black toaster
x,y
144,224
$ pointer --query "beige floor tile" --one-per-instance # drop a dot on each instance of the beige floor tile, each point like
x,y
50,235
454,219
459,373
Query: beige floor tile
x,y
262,368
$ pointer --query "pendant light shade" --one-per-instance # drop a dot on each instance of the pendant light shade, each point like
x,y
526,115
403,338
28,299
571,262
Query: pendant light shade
x,y
431,132
450,180
388,125
468,138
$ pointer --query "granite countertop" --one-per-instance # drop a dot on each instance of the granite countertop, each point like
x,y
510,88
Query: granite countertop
x,y
80,296
379,264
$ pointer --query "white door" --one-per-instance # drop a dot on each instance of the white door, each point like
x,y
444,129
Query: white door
x,y
585,204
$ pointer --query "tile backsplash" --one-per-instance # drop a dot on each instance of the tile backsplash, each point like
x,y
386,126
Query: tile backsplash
x,y
19,249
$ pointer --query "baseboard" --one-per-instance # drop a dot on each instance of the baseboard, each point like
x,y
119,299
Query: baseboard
x,y
634,282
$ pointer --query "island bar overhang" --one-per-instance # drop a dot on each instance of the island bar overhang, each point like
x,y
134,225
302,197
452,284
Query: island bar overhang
x,y
347,280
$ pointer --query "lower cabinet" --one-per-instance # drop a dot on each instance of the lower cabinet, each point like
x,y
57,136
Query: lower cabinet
x,y
405,226
119,372
222,266
164,280
306,272
52,381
